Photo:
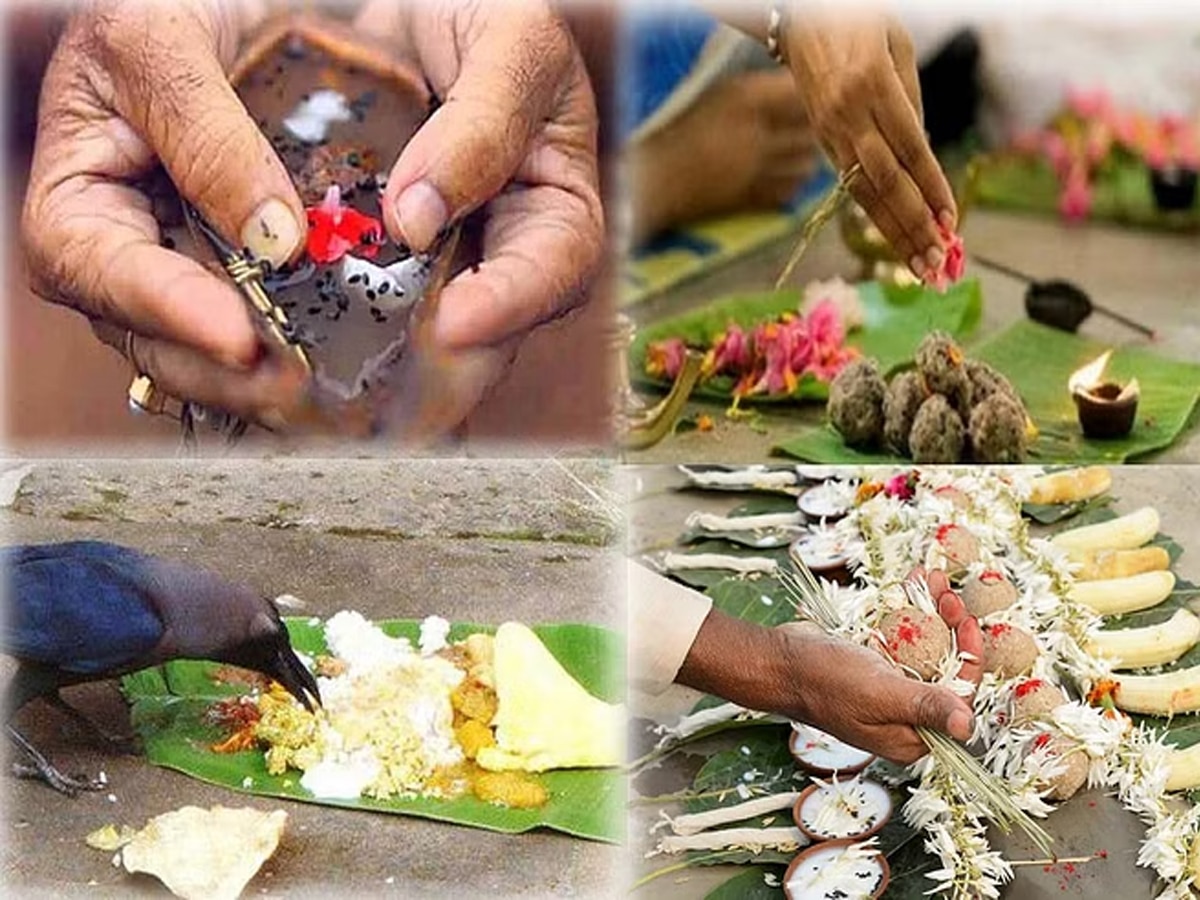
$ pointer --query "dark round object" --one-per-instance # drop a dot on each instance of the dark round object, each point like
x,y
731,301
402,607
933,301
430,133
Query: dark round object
x,y
1058,304
1102,415
1174,188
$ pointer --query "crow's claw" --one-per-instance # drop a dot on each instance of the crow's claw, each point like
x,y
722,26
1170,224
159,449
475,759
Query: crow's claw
x,y
64,784
42,769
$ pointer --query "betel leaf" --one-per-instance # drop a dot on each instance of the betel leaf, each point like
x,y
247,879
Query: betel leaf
x,y
170,705
759,764
1053,513
763,601
1039,360
896,320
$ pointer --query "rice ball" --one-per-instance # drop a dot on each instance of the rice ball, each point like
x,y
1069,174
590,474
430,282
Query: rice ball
x,y
856,403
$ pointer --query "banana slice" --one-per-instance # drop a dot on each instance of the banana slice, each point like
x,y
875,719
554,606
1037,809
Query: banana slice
x,y
1115,596
1071,486
1123,533
1185,769
1154,645
1097,565
1159,695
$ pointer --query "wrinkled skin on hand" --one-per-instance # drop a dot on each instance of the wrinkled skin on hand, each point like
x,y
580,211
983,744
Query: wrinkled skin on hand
x,y
857,75
853,692
516,134
133,84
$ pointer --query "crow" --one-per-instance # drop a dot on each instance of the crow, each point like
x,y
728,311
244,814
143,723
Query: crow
x,y
88,610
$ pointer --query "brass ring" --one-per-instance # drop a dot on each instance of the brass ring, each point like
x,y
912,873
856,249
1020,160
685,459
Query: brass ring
x,y
851,172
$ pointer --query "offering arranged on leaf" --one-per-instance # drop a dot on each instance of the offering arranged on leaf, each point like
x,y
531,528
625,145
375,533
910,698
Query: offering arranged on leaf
x,y
1102,161
949,408
441,720
778,347
773,356
1089,660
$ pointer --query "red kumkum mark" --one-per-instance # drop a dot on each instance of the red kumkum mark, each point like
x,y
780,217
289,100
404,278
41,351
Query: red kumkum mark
x,y
1026,688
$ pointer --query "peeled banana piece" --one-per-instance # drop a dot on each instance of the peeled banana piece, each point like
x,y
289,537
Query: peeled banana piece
x,y
1098,565
1159,695
1126,532
1071,486
1154,645
1116,596
1185,769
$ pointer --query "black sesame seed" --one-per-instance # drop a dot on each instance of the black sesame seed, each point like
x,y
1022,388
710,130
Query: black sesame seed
x,y
313,310
371,295
168,242
354,279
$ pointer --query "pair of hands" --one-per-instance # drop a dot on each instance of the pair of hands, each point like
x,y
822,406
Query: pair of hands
x,y
135,84
852,692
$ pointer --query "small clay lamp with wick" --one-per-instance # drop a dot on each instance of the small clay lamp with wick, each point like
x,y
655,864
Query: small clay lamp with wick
x,y
1106,409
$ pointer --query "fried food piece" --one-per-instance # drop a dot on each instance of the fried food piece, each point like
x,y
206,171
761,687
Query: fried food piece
x,y
904,397
474,700
941,363
937,434
986,381
856,403
997,430
512,789
329,666
473,735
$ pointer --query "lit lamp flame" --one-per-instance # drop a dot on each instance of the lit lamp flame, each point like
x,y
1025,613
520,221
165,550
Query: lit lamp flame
x,y
1087,378
1105,408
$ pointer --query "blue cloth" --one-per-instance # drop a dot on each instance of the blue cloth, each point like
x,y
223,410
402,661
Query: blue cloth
x,y
660,46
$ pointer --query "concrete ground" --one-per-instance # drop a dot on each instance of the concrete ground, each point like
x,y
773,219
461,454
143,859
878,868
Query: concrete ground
x,y
1088,823
1148,276
483,542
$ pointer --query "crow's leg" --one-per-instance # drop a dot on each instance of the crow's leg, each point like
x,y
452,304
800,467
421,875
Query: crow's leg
x,y
126,743
42,768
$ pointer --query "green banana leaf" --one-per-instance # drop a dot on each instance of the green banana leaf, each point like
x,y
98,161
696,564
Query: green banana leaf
x,y
170,702
897,319
1120,193
1039,360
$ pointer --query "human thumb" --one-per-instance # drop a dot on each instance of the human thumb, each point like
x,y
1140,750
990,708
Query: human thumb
x,y
473,145
185,108
939,709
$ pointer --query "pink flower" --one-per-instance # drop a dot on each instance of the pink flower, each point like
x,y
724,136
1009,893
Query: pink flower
x,y
732,352
1187,149
774,343
664,359
1057,151
1099,144
902,486
1094,104
953,261
1155,151
825,327
1075,201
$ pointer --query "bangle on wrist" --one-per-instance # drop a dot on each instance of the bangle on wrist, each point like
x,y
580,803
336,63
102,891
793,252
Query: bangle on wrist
x,y
776,16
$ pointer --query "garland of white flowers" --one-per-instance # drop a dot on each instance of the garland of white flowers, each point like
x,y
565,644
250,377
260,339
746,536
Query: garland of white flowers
x,y
886,536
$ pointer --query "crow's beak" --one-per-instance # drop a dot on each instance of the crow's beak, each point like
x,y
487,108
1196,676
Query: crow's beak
x,y
294,675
